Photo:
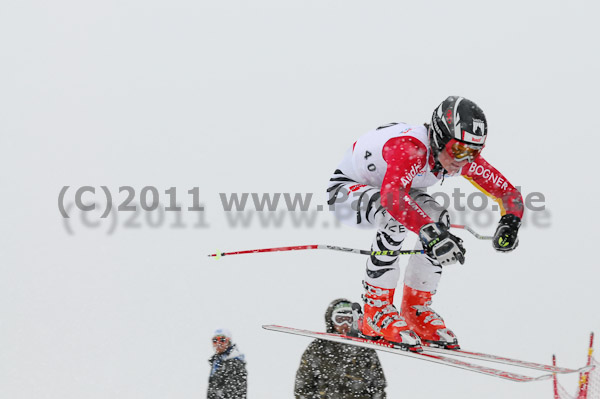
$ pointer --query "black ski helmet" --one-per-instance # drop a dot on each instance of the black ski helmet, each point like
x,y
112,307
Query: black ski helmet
x,y
460,119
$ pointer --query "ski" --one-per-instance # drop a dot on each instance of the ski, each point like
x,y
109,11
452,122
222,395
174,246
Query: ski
x,y
385,346
505,360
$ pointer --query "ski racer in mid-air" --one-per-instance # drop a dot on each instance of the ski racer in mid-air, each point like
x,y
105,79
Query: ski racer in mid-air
x,y
382,182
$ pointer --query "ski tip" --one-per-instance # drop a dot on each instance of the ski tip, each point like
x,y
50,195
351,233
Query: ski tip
x,y
542,377
269,327
218,255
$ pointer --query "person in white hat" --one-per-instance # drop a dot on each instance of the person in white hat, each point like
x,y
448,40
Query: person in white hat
x,y
228,376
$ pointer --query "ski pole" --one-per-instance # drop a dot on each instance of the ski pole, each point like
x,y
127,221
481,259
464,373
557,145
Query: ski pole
x,y
470,230
343,249
331,247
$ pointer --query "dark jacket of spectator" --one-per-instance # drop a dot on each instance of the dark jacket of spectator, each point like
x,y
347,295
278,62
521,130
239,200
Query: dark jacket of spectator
x,y
331,370
228,376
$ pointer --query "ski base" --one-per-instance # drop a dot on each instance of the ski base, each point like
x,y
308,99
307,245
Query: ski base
x,y
434,355
505,360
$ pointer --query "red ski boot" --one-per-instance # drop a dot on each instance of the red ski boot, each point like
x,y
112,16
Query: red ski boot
x,y
382,320
424,321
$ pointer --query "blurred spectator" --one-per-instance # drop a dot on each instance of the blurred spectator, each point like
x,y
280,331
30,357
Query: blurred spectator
x,y
332,370
228,376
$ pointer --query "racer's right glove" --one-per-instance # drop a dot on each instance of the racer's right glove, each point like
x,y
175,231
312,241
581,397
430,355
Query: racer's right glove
x,y
442,246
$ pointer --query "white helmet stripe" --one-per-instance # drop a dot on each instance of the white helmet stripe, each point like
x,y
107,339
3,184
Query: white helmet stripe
x,y
440,113
457,132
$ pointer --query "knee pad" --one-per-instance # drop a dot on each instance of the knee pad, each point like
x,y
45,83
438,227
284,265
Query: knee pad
x,y
387,225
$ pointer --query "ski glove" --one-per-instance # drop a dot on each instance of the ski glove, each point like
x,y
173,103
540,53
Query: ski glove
x,y
505,239
439,244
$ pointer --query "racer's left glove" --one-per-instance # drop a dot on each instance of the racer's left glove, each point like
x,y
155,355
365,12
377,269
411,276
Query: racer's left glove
x,y
505,238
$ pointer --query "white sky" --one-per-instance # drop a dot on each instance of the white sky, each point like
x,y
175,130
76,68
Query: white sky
x,y
265,96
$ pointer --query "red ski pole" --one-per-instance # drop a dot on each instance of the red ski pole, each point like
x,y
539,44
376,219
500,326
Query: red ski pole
x,y
330,247
343,249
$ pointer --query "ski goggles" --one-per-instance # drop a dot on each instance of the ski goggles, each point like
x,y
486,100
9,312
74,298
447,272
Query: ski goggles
x,y
341,317
220,339
462,151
